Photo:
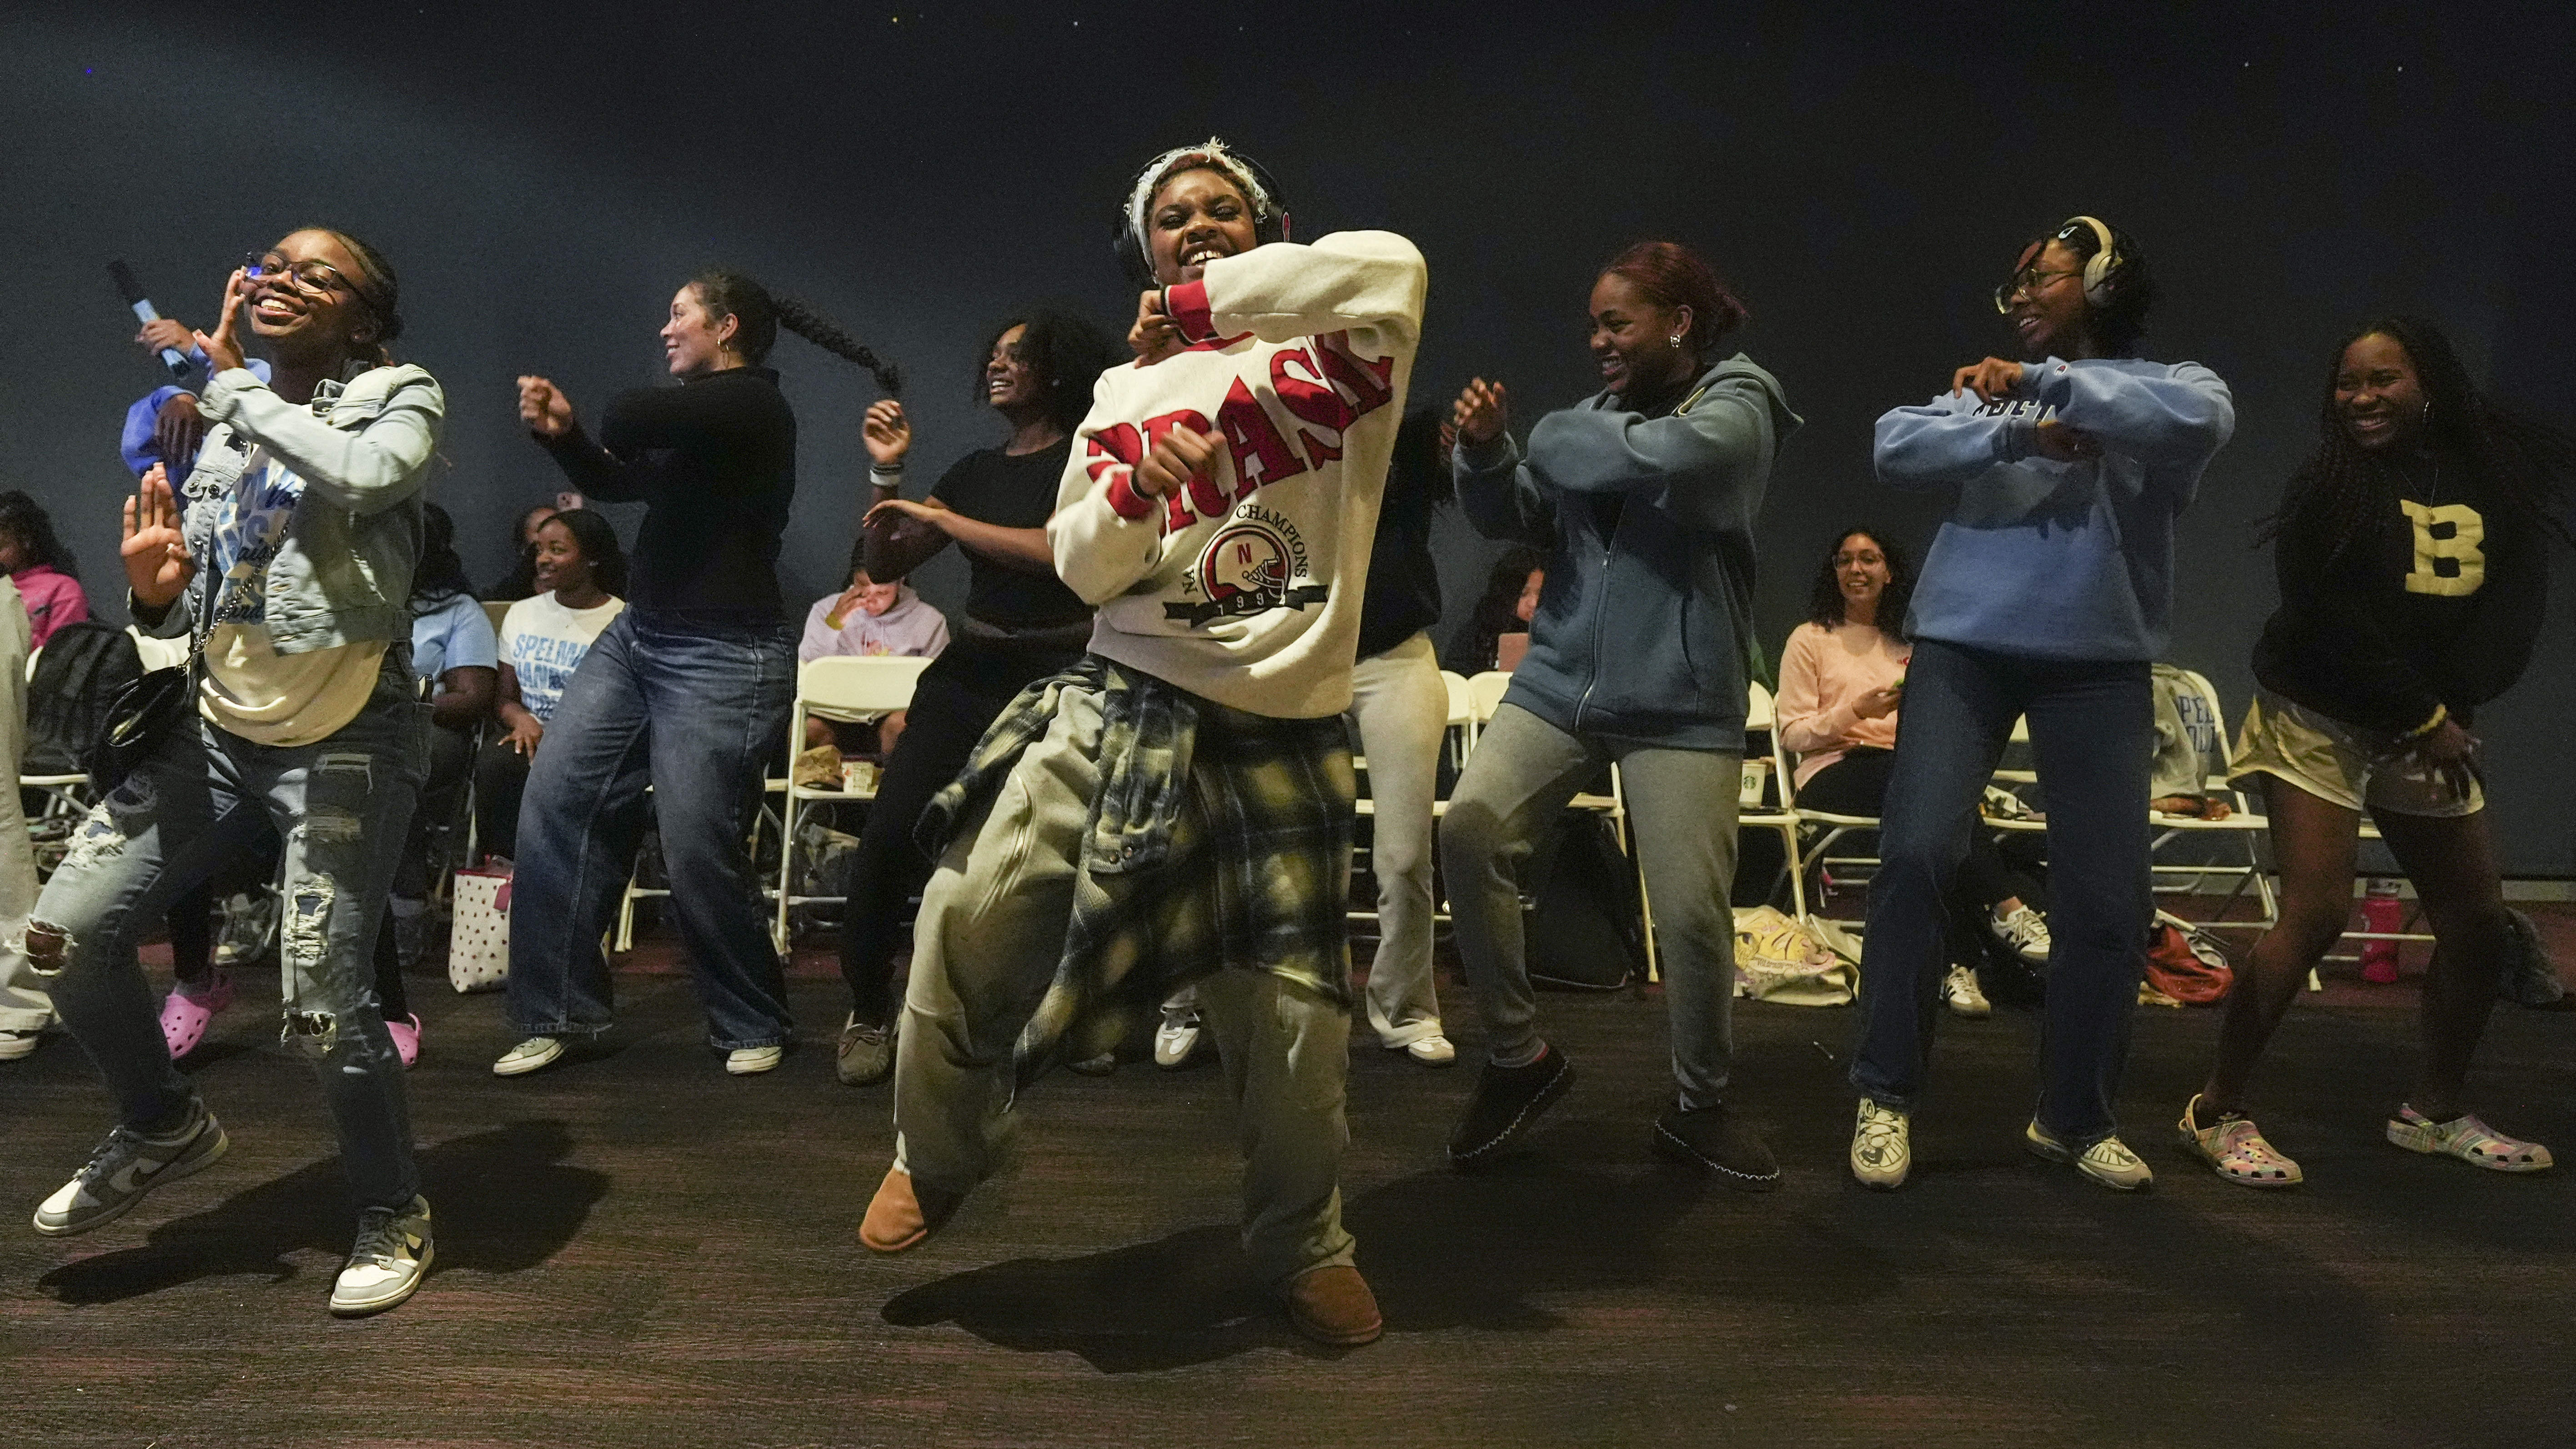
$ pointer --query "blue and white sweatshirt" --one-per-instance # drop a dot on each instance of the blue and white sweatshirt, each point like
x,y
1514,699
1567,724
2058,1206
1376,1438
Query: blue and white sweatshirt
x,y
2059,560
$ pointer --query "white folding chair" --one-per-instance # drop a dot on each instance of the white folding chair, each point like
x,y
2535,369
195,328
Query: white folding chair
x,y
1778,816
835,687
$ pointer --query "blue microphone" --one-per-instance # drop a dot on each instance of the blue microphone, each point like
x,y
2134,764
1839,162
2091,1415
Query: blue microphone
x,y
132,291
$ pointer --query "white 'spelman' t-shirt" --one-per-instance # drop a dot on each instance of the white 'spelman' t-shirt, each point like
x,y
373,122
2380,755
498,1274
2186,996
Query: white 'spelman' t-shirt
x,y
250,689
543,643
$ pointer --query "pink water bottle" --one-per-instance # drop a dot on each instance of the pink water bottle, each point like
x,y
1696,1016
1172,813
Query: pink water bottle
x,y
2381,912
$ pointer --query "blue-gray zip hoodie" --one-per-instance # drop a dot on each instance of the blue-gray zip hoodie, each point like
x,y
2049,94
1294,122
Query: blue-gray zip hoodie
x,y
1641,627
2059,560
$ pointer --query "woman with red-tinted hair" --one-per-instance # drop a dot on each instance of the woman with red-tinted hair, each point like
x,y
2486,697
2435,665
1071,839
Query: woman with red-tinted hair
x,y
1644,496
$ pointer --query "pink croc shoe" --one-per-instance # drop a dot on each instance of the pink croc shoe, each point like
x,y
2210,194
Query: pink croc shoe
x,y
185,1013
406,1034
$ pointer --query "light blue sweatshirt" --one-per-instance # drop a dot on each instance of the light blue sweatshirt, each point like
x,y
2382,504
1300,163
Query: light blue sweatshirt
x,y
2059,560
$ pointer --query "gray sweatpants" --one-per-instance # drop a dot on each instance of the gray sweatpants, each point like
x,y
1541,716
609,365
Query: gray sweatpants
x,y
989,936
1681,813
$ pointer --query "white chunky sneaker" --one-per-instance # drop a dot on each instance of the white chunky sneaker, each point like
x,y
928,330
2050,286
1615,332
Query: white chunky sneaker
x,y
125,1167
529,1055
1959,991
752,1061
385,1267
2108,1162
1434,1050
1882,1151
2026,931
1177,1039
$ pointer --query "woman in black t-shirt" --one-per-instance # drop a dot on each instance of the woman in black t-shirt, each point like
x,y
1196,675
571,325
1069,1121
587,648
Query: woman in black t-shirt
x,y
686,691
1022,624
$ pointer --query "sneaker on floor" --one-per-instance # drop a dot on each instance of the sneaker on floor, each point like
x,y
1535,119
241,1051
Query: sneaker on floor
x,y
904,1213
2235,1149
391,1257
2468,1139
1722,1142
1434,1050
2026,931
752,1061
406,1034
1959,992
1177,1039
528,1056
2108,1162
19,1041
865,1055
249,927
125,1167
1506,1101
1882,1146
1332,1305
1103,1065
188,1010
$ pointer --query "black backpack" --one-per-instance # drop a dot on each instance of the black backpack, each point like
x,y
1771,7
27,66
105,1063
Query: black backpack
x,y
82,667
1586,929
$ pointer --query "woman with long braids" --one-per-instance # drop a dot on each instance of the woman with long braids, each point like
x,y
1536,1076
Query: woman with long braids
x,y
292,567
1021,624
687,690
2411,550
2048,593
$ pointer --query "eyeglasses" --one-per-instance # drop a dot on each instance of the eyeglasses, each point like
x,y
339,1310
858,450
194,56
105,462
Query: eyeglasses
x,y
2029,280
310,275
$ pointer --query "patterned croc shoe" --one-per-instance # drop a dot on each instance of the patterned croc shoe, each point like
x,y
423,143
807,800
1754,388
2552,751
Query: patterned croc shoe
x,y
2468,1139
2236,1149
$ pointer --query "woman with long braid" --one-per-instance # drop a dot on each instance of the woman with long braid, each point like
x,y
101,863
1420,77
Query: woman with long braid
x,y
2411,552
686,691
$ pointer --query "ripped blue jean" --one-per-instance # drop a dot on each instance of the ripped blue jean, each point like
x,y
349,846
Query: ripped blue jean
x,y
342,806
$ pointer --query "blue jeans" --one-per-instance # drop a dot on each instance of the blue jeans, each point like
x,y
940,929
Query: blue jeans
x,y
695,712
2092,732
342,806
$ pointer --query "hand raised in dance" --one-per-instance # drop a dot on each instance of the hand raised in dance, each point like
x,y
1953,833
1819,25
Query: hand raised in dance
x,y
887,431
223,349
1991,379
155,550
1155,335
1177,457
1482,411
544,408
886,511
178,428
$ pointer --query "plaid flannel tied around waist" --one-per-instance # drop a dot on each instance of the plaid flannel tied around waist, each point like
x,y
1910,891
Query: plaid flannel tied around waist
x,y
1216,839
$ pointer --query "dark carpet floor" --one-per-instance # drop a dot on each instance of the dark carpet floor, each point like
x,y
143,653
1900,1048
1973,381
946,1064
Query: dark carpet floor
x,y
637,1250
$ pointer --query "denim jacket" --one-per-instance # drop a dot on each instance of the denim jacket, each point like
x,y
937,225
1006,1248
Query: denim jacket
x,y
342,575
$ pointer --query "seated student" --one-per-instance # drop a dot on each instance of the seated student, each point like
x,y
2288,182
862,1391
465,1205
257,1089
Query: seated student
x,y
453,655
47,579
868,618
521,581
1842,679
1510,601
2186,747
581,571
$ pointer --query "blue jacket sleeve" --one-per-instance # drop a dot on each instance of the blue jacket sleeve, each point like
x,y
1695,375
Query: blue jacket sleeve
x,y
137,444
1694,464
1498,495
2179,419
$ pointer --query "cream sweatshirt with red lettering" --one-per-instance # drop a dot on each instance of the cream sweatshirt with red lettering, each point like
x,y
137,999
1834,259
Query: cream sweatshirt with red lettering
x,y
1245,585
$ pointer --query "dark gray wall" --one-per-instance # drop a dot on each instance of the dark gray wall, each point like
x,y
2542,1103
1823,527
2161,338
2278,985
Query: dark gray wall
x,y
544,175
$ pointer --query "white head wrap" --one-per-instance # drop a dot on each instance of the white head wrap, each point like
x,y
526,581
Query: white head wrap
x,y
1211,152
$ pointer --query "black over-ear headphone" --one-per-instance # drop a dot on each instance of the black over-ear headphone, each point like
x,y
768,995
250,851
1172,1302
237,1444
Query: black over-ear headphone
x,y
1129,248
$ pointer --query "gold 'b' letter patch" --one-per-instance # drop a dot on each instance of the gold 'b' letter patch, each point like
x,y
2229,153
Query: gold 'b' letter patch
x,y
2448,560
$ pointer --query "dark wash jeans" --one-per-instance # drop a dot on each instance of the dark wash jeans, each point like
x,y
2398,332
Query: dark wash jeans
x,y
2092,731
695,711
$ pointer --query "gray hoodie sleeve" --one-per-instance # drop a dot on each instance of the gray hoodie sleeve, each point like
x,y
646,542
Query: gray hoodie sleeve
x,y
1497,494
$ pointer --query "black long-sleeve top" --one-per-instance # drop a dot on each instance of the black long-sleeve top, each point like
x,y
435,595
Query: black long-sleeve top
x,y
2437,606
715,458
